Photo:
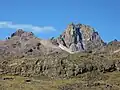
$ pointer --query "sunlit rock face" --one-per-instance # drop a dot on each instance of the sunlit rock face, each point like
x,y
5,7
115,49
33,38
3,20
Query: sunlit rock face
x,y
80,37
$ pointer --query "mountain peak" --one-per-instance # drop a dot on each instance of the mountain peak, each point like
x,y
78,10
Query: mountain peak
x,y
77,37
21,32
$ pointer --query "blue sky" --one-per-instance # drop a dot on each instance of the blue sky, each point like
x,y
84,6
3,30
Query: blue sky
x,y
49,18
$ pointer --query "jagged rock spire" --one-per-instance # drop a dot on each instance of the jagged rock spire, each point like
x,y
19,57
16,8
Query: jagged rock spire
x,y
77,36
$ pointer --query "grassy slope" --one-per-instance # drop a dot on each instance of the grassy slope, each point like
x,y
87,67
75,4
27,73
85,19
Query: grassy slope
x,y
104,80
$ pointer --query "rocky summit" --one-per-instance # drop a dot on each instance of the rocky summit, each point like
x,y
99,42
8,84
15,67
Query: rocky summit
x,y
80,37
78,59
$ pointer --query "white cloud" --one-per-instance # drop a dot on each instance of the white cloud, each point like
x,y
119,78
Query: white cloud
x,y
27,27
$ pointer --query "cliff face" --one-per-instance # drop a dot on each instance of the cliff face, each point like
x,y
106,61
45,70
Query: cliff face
x,y
80,37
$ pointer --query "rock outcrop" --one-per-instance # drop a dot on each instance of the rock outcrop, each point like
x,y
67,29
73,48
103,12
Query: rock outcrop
x,y
80,37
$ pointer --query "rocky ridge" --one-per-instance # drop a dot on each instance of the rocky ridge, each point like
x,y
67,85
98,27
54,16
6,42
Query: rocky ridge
x,y
76,38
22,43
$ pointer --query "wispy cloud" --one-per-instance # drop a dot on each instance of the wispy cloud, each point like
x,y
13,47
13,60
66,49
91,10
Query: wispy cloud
x,y
27,27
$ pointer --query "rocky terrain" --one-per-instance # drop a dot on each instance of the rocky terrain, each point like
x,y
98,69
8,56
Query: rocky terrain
x,y
78,59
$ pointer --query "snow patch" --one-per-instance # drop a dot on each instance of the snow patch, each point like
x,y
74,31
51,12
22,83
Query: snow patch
x,y
65,49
